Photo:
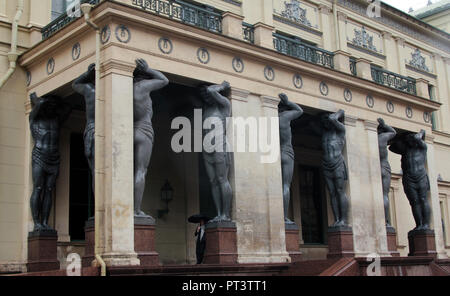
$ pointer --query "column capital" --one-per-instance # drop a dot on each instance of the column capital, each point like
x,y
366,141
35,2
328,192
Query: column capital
x,y
422,80
446,59
344,53
232,14
370,125
399,40
263,25
429,138
239,94
386,35
350,120
270,102
325,9
436,56
341,16
118,67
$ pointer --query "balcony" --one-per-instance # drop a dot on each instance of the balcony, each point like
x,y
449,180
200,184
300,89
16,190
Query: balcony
x,y
302,51
393,80
62,21
205,18
249,32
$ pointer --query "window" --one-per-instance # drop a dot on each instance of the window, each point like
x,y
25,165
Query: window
x,y
58,8
313,205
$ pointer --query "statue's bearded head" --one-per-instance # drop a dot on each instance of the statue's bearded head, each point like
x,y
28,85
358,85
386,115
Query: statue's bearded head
x,y
325,120
51,107
206,97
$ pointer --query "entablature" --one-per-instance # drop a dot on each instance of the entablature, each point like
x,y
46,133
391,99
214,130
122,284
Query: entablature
x,y
185,50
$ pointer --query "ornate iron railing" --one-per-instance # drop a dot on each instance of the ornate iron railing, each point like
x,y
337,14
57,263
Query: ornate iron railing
x,y
302,51
249,32
394,80
184,12
353,66
62,21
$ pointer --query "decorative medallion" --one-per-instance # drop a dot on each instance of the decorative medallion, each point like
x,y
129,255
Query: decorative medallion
x,y
50,66
203,55
426,117
348,95
298,81
370,101
105,34
76,51
28,78
269,73
238,65
390,107
123,34
409,112
323,88
418,61
165,45
363,39
294,12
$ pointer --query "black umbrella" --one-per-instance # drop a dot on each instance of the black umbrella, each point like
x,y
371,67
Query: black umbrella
x,y
197,217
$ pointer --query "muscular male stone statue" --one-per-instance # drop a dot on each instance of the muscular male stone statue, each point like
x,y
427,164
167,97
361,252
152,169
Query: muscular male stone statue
x,y
385,134
85,86
46,118
416,185
145,81
287,111
333,164
217,162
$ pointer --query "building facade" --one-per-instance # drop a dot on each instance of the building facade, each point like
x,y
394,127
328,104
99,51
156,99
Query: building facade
x,y
325,55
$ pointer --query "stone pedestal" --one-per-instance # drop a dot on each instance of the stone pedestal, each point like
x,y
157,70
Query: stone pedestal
x,y
89,248
340,242
392,241
293,242
42,251
221,243
144,241
422,243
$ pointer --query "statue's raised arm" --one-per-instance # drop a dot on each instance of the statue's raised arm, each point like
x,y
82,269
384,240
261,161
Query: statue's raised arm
x,y
147,79
219,93
334,119
291,110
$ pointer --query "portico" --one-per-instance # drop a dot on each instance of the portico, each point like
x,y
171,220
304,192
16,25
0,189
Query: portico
x,y
257,75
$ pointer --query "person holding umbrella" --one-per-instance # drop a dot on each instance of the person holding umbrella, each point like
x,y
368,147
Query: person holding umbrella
x,y
200,234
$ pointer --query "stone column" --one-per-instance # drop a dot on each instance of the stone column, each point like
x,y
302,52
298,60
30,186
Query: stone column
x,y
263,35
401,55
363,69
257,186
390,51
232,25
342,61
434,199
114,217
379,221
342,27
442,92
325,21
366,210
422,88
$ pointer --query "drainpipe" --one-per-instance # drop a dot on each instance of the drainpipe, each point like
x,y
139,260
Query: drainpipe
x,y
86,9
336,25
13,55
